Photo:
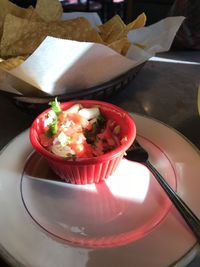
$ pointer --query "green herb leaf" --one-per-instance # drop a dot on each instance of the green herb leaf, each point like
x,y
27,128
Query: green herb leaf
x,y
55,105
48,133
101,119
91,135
53,127
94,127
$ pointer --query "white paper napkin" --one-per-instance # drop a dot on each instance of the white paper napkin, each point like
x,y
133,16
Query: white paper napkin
x,y
71,66
155,38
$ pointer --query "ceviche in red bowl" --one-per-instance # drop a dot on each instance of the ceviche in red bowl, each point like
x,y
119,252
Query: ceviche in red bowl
x,y
83,141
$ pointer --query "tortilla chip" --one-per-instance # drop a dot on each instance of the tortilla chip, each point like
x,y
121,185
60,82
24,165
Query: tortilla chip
x,y
11,63
78,29
30,14
25,36
10,8
117,45
115,29
126,47
139,22
13,30
112,29
49,10
121,46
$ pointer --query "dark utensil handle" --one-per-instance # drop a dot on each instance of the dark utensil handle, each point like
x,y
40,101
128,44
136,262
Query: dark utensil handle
x,y
190,218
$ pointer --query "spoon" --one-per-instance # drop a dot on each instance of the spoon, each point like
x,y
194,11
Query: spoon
x,y
137,153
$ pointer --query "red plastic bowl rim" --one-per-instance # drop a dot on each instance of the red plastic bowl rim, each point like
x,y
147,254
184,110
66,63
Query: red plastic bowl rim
x,y
112,154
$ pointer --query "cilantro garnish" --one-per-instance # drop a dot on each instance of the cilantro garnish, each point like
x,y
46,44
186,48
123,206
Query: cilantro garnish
x,y
53,129
91,135
100,119
55,105
48,133
53,126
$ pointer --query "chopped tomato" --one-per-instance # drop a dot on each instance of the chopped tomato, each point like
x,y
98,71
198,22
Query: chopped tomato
x,y
83,150
78,119
83,137
77,138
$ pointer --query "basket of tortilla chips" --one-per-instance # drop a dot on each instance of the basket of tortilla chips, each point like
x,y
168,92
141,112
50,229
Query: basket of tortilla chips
x,y
24,30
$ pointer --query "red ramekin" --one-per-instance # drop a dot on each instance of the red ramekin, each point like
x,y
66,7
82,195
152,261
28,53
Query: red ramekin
x,y
87,170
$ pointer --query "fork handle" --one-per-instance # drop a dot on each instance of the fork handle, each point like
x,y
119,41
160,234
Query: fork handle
x,y
190,218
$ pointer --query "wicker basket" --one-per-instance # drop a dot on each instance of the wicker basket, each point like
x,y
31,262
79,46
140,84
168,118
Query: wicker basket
x,y
34,105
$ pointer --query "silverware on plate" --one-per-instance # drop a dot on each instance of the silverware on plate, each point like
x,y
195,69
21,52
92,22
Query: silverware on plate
x,y
137,153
